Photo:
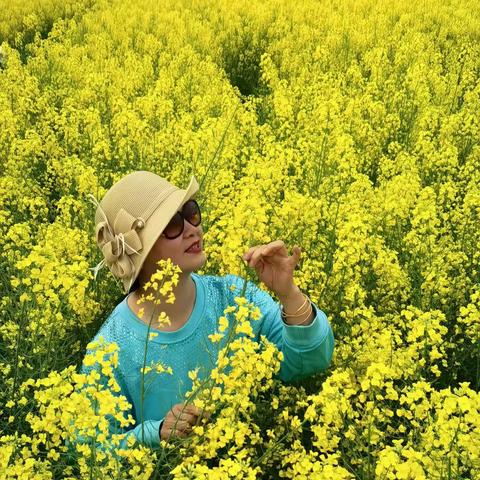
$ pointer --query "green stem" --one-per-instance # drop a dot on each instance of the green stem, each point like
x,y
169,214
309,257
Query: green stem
x,y
142,380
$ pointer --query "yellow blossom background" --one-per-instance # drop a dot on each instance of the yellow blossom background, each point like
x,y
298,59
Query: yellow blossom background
x,y
351,129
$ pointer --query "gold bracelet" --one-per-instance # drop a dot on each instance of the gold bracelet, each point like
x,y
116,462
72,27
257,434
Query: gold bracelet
x,y
301,323
296,314
303,304
288,315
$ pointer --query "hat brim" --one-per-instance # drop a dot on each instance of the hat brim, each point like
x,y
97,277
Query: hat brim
x,y
156,224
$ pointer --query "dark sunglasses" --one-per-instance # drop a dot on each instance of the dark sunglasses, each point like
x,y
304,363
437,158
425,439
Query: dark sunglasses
x,y
190,212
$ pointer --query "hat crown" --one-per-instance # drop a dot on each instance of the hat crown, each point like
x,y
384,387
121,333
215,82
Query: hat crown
x,y
135,193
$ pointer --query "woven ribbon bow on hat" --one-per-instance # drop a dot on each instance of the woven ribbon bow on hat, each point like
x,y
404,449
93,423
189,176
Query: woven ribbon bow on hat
x,y
117,247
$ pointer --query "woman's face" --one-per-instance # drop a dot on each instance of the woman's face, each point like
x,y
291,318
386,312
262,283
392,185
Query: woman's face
x,y
175,249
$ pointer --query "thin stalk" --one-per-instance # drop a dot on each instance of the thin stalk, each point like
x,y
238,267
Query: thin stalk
x,y
142,380
17,353
217,149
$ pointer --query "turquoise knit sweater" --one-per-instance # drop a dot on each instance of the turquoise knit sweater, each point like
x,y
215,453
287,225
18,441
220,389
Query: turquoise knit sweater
x,y
306,349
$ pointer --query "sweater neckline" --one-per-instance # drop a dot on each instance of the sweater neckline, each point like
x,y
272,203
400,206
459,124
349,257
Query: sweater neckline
x,y
188,328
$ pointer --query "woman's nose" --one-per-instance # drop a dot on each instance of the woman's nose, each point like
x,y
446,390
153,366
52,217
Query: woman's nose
x,y
188,228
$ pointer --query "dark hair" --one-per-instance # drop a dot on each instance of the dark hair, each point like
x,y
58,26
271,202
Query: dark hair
x,y
135,286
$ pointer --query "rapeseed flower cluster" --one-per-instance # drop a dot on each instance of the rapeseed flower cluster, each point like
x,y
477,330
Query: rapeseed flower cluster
x,y
70,419
351,130
161,285
244,370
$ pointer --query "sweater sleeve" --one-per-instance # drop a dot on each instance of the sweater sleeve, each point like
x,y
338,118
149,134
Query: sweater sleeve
x,y
145,433
306,349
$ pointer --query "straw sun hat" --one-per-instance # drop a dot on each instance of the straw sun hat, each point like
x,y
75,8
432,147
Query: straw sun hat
x,y
130,218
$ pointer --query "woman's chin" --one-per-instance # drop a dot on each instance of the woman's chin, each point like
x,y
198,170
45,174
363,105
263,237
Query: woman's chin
x,y
195,262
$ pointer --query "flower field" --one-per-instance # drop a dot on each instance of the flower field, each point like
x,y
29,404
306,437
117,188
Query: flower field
x,y
351,129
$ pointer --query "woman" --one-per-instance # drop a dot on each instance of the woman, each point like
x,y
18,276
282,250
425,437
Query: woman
x,y
142,219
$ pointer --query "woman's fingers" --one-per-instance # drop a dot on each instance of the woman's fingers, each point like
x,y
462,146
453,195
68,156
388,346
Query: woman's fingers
x,y
189,409
172,427
167,433
188,417
180,419
189,413
254,254
182,426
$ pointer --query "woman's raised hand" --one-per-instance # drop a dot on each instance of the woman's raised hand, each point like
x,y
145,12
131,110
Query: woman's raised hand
x,y
274,266
180,419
